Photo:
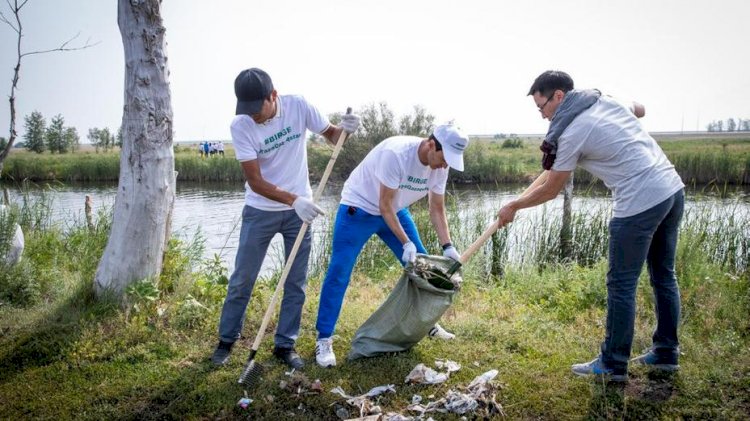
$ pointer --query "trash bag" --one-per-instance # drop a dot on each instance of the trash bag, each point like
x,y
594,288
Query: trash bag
x,y
417,302
11,238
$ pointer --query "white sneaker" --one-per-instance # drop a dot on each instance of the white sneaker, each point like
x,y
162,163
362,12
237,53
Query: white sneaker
x,y
324,352
438,332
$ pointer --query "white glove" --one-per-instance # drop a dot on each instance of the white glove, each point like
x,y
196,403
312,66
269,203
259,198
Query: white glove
x,y
350,122
410,253
306,209
452,253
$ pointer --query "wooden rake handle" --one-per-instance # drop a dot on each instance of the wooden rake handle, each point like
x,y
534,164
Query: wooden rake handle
x,y
300,236
495,225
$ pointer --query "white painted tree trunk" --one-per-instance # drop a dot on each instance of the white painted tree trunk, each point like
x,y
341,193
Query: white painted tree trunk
x,y
146,190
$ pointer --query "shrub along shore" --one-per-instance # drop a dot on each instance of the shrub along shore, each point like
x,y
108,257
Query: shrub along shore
x,y
66,355
717,161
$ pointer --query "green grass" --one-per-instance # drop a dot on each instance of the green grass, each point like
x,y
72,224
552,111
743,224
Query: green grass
x,y
715,161
64,354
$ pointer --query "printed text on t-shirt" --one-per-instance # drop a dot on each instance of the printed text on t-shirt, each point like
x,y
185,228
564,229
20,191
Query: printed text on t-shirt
x,y
272,140
414,180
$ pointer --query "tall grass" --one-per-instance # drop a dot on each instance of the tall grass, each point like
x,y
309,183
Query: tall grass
x,y
63,167
51,253
698,162
192,167
721,234
66,354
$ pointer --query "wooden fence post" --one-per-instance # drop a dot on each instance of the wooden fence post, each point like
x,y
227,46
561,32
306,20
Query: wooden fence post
x,y
89,216
566,232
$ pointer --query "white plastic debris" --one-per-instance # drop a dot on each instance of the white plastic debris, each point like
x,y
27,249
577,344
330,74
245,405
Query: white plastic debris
x,y
379,390
479,395
421,374
460,403
396,417
447,365
363,401
483,378
244,402
14,253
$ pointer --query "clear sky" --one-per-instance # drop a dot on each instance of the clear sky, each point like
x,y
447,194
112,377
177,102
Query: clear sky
x,y
472,61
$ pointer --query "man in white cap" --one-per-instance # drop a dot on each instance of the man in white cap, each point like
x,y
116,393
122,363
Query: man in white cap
x,y
375,200
269,138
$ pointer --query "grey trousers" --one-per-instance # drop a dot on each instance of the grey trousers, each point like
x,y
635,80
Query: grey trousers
x,y
258,228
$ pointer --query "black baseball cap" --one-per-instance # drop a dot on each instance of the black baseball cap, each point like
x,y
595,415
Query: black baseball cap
x,y
252,87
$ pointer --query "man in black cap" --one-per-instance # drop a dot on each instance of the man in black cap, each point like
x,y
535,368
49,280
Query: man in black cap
x,y
269,139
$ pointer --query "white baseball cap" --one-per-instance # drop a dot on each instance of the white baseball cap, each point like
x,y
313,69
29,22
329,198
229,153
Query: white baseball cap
x,y
454,143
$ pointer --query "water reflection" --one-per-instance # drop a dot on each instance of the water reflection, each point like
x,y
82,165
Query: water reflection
x,y
214,209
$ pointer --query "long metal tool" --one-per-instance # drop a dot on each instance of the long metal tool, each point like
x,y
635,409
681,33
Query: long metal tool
x,y
252,372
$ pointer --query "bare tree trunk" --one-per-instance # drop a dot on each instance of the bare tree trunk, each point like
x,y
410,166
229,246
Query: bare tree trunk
x,y
146,190
15,8
17,26
566,233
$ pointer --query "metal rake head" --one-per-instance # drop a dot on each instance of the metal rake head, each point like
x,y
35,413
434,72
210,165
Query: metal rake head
x,y
252,374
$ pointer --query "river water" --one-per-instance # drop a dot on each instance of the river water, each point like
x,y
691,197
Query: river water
x,y
214,209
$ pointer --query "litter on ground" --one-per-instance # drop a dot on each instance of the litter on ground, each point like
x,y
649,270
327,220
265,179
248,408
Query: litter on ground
x,y
421,374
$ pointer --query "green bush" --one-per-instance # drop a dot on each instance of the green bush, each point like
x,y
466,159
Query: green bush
x,y
191,313
19,286
512,143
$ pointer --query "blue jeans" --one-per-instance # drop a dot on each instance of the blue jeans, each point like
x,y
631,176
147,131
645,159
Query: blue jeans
x,y
258,228
650,237
351,231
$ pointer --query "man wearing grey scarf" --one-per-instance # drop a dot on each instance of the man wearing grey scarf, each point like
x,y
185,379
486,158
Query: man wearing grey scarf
x,y
574,103
605,138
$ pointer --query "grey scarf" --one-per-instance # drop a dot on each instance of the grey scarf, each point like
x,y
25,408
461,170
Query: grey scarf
x,y
574,103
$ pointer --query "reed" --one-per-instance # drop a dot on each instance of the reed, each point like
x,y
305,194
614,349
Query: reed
x,y
149,359
698,162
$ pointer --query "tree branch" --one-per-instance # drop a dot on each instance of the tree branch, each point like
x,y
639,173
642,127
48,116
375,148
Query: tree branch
x,y
18,28
7,22
63,47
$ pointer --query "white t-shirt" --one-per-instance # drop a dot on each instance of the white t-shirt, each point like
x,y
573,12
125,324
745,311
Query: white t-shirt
x,y
608,141
395,164
279,145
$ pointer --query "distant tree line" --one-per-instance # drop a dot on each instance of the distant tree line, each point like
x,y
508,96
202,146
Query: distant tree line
x,y
57,138
104,138
511,141
730,125
378,123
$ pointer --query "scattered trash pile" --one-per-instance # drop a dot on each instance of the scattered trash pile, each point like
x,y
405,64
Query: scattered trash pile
x,y
477,399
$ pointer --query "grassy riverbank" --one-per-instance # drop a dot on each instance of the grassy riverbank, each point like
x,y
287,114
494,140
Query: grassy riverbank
x,y
718,161
65,355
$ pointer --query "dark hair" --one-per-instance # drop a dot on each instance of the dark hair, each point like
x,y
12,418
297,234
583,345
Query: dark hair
x,y
438,146
550,81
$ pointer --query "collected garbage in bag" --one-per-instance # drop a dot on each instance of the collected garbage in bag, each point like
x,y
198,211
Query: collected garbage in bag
x,y
420,298
418,301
